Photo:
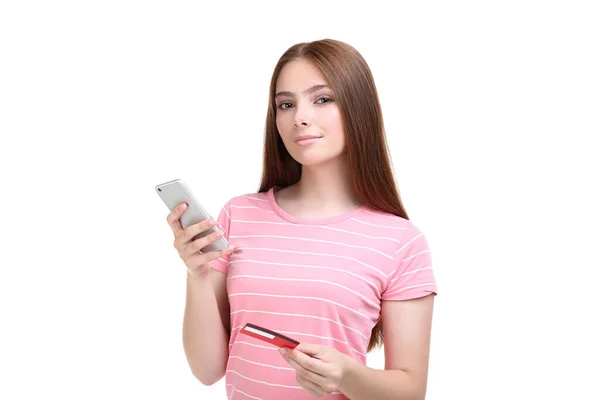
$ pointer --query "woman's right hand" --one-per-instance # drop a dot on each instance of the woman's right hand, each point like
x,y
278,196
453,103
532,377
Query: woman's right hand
x,y
196,262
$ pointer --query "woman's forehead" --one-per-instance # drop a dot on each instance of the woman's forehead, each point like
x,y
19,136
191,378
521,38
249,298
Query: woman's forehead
x,y
298,76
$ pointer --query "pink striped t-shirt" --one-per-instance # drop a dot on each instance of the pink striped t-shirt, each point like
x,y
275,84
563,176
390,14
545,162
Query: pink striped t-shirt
x,y
316,281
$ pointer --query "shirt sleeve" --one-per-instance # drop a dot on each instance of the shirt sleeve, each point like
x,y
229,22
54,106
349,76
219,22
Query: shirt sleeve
x,y
412,276
224,224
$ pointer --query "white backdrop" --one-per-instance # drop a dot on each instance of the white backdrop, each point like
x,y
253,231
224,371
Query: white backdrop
x,y
490,111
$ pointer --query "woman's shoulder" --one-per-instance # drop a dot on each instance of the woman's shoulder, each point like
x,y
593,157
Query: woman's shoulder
x,y
393,225
248,200
384,218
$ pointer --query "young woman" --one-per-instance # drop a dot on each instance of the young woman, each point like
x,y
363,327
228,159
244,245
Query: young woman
x,y
323,252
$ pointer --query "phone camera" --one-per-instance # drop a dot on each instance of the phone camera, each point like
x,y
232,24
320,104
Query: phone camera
x,y
159,189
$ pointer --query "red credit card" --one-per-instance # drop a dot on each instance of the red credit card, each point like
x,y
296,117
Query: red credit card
x,y
269,336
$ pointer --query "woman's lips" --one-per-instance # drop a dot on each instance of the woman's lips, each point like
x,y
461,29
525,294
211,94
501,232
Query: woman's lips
x,y
307,141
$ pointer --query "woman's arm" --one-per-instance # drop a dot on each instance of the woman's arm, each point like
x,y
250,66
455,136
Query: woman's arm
x,y
407,334
206,326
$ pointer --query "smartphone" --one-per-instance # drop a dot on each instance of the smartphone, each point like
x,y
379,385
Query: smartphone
x,y
176,192
269,336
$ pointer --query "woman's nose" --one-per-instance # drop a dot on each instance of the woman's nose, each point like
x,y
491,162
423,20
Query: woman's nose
x,y
302,117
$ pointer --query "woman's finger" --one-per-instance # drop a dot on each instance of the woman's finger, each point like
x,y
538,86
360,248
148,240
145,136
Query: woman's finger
x,y
311,387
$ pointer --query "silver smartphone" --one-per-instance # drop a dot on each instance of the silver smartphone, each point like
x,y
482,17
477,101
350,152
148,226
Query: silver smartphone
x,y
176,192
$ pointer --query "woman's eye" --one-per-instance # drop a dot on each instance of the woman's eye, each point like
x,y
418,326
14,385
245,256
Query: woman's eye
x,y
323,100
287,104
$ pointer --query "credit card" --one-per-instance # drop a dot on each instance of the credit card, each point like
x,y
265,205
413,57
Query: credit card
x,y
269,336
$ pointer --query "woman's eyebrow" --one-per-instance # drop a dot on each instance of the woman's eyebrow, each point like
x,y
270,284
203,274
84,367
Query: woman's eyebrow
x,y
306,92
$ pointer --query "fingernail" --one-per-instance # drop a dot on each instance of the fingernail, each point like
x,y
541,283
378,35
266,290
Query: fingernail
x,y
283,351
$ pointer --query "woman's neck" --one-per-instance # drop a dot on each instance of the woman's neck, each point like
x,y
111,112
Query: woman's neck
x,y
323,190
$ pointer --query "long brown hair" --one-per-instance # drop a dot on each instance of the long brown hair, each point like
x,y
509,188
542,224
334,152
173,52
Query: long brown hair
x,y
351,80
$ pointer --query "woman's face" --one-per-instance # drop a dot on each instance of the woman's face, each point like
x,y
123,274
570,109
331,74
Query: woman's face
x,y
308,118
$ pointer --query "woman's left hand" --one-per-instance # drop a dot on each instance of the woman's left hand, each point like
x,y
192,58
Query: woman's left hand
x,y
320,370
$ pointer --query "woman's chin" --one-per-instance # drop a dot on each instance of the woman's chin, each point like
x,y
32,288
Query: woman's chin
x,y
314,160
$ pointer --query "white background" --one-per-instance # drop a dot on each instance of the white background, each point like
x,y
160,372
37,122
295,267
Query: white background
x,y
490,111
